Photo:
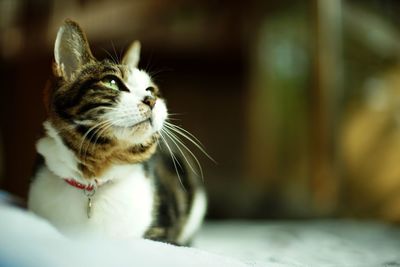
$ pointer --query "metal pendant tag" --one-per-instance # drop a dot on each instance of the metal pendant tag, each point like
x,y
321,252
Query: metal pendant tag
x,y
89,208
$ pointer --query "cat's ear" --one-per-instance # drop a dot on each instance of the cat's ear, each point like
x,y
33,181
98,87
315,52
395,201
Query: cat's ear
x,y
71,50
132,55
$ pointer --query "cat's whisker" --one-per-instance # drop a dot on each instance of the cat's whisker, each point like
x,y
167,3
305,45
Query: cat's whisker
x,y
87,133
188,136
113,122
98,132
105,127
159,141
171,117
178,142
174,119
170,151
174,114
89,141
181,130
175,161
94,127
118,60
148,64
154,74
107,108
111,56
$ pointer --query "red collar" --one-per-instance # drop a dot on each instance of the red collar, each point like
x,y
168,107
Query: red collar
x,y
79,185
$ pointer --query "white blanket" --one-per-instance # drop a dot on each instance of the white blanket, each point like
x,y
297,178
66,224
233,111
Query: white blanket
x,y
26,240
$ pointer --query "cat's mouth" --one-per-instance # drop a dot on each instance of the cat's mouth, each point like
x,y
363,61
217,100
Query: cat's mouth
x,y
136,125
141,123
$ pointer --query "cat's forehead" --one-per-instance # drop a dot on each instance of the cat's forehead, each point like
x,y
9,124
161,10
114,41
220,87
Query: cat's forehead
x,y
98,69
129,74
125,72
137,78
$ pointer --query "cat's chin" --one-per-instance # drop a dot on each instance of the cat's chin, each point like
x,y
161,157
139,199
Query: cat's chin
x,y
138,133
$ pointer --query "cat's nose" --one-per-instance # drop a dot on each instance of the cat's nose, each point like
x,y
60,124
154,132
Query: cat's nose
x,y
150,101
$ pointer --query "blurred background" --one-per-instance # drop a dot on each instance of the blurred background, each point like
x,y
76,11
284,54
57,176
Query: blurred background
x,y
297,101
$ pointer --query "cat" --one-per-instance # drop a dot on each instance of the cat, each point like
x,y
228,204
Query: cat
x,y
102,171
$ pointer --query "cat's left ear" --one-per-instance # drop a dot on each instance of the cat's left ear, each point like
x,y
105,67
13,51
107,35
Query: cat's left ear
x,y
71,50
132,55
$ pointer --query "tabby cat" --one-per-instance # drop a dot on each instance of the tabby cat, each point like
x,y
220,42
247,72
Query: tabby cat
x,y
102,172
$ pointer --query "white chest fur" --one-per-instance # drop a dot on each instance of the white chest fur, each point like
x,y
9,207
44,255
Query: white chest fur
x,y
122,207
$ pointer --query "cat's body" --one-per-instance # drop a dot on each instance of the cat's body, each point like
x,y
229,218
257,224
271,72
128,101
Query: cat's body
x,y
102,174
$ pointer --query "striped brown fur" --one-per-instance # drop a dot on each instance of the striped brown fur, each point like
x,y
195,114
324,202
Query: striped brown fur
x,y
173,199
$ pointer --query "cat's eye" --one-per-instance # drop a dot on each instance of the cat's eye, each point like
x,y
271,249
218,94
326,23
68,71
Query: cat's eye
x,y
153,91
150,89
111,82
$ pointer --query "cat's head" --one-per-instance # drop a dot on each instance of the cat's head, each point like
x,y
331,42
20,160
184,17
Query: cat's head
x,y
94,103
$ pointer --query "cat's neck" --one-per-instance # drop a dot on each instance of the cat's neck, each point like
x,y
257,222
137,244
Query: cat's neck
x,y
58,158
64,162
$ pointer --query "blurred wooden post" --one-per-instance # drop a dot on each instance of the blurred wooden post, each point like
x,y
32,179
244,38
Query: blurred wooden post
x,y
325,94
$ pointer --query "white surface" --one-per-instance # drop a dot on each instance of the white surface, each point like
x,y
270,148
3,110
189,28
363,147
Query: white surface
x,y
26,240
305,243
